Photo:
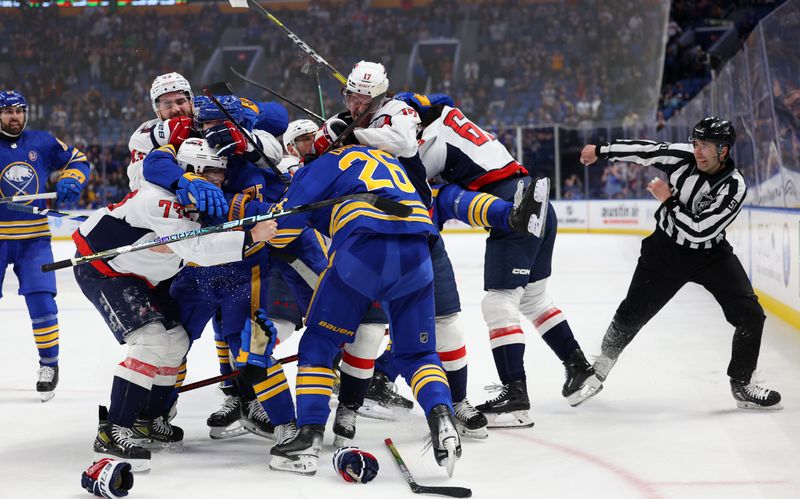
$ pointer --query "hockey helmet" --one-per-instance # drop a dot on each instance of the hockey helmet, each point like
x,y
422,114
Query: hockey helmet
x,y
13,98
198,155
205,110
713,129
166,83
297,128
367,78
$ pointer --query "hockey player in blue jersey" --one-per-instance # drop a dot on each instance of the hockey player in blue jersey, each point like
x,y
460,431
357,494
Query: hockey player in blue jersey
x,y
27,157
373,256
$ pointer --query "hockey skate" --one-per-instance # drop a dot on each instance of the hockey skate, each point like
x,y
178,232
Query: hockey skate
x,y
382,400
156,434
48,380
581,381
752,396
510,408
602,366
115,442
444,438
226,422
255,420
344,426
300,454
530,208
470,422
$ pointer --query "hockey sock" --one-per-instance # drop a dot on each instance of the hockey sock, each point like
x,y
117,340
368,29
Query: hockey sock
x,y
509,362
274,395
477,209
458,383
387,365
352,390
561,340
157,406
128,400
44,319
224,359
314,389
429,384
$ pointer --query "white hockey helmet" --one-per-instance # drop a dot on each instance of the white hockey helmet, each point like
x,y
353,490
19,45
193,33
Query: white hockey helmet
x,y
166,83
367,78
297,128
197,154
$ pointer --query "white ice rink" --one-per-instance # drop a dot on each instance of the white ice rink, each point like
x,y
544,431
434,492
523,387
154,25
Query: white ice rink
x,y
665,426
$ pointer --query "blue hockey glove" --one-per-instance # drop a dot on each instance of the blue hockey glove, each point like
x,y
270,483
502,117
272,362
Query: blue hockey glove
x,y
355,465
421,102
259,337
108,478
207,197
226,139
68,190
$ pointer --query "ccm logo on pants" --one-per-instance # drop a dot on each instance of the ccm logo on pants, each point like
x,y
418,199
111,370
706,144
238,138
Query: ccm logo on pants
x,y
521,271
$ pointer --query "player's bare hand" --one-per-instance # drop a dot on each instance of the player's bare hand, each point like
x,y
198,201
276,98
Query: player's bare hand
x,y
588,155
264,231
659,189
164,249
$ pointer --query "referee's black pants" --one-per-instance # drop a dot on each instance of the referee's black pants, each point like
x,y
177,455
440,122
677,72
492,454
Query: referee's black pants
x,y
663,269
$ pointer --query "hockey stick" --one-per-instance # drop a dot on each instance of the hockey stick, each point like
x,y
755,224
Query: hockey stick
x,y
388,206
29,197
247,135
245,79
424,489
25,208
296,39
373,106
223,377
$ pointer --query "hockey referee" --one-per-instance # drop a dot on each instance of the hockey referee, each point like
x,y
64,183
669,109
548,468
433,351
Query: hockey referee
x,y
703,195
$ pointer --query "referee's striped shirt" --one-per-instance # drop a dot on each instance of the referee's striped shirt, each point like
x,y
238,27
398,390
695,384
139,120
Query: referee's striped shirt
x,y
701,205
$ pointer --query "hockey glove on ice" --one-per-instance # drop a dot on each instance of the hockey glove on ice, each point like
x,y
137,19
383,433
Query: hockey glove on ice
x,y
207,197
108,478
259,337
355,465
227,139
68,190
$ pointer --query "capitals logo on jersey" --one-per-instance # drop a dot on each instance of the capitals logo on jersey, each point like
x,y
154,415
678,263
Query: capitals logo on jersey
x,y
17,178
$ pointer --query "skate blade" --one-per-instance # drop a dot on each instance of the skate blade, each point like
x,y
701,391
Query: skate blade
x,y
137,465
255,430
590,388
373,410
478,433
452,457
156,446
234,429
515,419
299,465
750,406
340,441
47,395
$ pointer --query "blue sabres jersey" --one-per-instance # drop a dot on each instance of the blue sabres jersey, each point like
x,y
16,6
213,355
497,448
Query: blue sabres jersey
x,y
271,117
25,165
350,170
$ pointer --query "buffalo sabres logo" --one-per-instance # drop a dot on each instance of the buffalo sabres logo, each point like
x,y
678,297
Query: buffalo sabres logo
x,y
19,178
423,337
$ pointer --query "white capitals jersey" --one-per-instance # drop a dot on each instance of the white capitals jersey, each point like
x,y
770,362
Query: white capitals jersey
x,y
143,215
150,135
458,151
393,129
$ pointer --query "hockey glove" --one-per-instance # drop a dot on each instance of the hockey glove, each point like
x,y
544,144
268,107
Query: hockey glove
x,y
207,197
259,337
108,478
227,139
355,465
328,133
178,129
68,190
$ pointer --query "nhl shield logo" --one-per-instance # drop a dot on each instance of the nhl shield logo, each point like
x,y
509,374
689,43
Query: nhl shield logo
x,y
32,155
423,337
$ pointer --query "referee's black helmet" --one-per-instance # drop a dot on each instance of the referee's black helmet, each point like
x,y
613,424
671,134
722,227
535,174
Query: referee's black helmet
x,y
713,129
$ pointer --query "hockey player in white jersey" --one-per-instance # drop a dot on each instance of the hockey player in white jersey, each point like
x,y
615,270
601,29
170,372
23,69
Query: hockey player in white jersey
x,y
516,266
297,141
131,292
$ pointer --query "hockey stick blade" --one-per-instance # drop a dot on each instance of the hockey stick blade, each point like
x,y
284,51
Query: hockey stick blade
x,y
424,489
26,208
392,207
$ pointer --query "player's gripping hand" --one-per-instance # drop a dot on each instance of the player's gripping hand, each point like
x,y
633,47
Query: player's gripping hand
x,y
258,340
328,133
207,197
68,190
227,139
178,129
355,465
108,478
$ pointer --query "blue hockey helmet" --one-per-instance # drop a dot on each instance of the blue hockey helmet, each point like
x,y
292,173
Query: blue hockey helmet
x,y
13,98
205,110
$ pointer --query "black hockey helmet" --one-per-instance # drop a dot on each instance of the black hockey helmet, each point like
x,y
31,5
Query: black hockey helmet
x,y
713,129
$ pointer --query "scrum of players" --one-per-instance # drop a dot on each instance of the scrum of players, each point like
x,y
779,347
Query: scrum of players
x,y
340,273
